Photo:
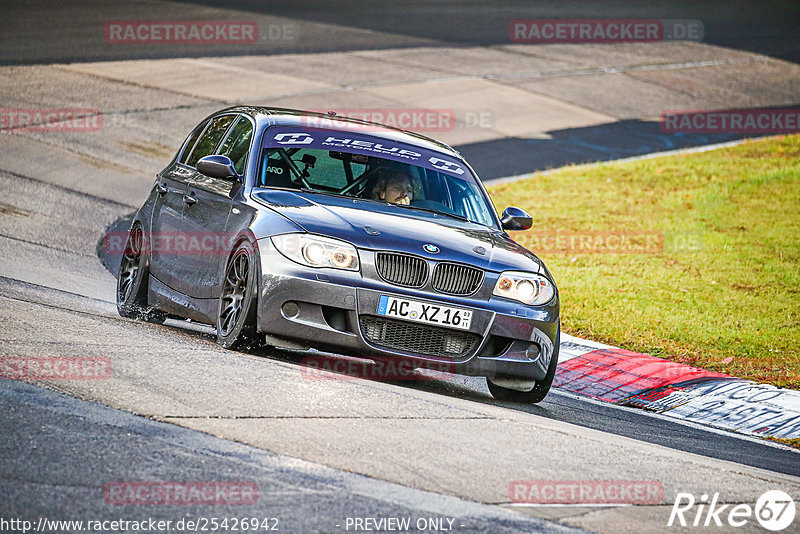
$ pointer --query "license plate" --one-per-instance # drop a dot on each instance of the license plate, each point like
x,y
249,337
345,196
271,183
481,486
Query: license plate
x,y
423,312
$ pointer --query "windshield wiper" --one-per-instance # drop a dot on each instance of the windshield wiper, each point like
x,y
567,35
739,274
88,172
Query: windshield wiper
x,y
320,192
437,212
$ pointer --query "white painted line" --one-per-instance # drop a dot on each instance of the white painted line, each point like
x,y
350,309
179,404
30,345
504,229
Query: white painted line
x,y
653,155
590,345
562,505
619,70
572,347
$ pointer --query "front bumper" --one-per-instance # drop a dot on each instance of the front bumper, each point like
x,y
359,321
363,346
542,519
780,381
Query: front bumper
x,y
336,310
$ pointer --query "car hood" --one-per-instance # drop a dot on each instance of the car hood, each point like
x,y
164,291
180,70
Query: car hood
x,y
378,226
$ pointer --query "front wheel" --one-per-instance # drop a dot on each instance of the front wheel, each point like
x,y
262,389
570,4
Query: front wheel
x,y
539,391
236,314
132,280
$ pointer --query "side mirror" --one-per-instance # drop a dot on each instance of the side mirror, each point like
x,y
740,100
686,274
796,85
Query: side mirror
x,y
515,219
218,167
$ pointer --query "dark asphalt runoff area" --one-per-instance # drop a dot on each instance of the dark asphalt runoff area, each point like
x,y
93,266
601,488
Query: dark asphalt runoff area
x,y
60,454
42,31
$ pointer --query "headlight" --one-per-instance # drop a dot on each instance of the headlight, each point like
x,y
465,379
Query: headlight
x,y
317,251
532,289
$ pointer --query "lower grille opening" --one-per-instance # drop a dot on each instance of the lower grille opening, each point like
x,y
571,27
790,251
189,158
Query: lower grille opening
x,y
418,338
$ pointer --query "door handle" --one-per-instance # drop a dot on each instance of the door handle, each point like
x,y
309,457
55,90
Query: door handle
x,y
161,189
189,199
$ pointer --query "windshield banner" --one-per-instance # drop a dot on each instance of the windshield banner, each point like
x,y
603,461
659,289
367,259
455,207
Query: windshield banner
x,y
295,137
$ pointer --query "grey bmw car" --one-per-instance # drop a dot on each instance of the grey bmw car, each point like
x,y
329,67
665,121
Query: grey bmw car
x,y
293,228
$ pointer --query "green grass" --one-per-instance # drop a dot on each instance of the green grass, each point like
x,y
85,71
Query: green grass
x,y
723,293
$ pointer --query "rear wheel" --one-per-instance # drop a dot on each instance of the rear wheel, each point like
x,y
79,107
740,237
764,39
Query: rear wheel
x,y
539,391
132,280
236,314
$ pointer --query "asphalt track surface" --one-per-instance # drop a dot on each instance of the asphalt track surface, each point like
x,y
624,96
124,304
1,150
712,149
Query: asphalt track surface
x,y
66,457
319,450
43,31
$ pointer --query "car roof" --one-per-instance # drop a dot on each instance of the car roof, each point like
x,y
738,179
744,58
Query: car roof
x,y
271,116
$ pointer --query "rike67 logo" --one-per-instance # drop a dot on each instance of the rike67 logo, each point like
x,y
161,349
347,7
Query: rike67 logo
x,y
774,510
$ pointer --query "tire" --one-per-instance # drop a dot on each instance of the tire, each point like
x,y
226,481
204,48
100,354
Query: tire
x,y
539,391
236,312
132,281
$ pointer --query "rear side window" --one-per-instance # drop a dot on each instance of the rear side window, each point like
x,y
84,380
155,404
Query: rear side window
x,y
210,139
237,144
187,149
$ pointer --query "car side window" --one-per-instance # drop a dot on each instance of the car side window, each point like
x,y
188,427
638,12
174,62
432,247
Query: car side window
x,y
237,145
190,142
210,139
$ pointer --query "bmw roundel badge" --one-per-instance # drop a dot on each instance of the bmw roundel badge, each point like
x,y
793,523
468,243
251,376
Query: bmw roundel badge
x,y
433,249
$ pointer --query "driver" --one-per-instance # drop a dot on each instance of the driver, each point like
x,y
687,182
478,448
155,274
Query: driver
x,y
394,185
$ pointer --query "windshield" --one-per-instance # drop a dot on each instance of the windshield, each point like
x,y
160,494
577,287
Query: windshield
x,y
345,172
